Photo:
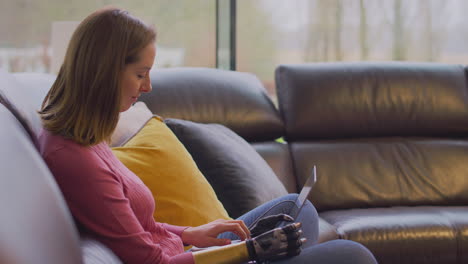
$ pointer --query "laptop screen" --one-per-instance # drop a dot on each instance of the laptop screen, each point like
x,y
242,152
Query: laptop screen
x,y
306,189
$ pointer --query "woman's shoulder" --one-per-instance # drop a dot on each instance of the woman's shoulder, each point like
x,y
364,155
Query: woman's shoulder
x,y
60,150
50,143
64,156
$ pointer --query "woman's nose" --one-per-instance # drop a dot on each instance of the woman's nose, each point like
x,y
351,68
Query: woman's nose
x,y
146,87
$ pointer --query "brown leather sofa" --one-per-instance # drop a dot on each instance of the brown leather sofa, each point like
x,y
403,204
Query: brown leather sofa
x,y
390,142
388,139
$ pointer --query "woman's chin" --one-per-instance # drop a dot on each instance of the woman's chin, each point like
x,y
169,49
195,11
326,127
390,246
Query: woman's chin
x,y
125,108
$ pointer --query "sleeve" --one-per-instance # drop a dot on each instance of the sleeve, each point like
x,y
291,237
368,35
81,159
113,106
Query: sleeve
x,y
230,254
95,197
178,230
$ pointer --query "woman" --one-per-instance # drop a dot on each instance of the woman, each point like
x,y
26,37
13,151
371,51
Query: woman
x,y
106,68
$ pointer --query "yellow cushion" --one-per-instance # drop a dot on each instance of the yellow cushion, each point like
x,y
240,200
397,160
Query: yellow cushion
x,y
182,194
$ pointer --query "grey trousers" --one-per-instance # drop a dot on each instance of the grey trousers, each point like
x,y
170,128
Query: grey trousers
x,y
332,252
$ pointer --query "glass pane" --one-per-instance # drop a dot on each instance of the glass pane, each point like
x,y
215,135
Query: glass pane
x,y
186,30
273,32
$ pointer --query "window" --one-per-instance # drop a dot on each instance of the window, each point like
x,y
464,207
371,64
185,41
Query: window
x,y
268,32
186,30
273,32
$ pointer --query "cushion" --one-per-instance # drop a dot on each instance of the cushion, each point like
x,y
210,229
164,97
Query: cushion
x,y
372,99
183,196
235,99
94,252
130,122
36,84
36,225
25,93
239,175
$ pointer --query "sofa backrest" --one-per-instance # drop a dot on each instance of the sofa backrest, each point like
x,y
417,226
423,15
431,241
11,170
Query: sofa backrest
x,y
36,226
381,134
234,99
25,92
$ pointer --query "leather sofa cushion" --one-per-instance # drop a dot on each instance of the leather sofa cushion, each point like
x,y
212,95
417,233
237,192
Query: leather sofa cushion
x,y
235,99
338,100
407,235
327,231
277,156
240,177
380,172
36,226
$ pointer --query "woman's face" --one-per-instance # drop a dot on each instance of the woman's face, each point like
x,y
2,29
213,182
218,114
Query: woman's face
x,y
135,79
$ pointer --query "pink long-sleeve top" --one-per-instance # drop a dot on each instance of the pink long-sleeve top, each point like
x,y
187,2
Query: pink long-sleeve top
x,y
110,203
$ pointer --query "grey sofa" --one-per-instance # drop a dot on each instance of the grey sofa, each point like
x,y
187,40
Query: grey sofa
x,y
389,141
35,223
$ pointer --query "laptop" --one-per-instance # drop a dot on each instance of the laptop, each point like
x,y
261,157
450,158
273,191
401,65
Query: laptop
x,y
302,197
300,201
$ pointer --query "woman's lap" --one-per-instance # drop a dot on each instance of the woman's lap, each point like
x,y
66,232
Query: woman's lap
x,y
333,252
283,205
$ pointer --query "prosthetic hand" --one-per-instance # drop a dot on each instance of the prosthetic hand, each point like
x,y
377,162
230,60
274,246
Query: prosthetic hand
x,y
268,223
275,244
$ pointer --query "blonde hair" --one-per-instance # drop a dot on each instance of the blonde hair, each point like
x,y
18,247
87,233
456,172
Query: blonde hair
x,y
83,104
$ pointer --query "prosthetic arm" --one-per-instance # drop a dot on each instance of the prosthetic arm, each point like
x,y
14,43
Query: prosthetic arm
x,y
268,223
275,244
